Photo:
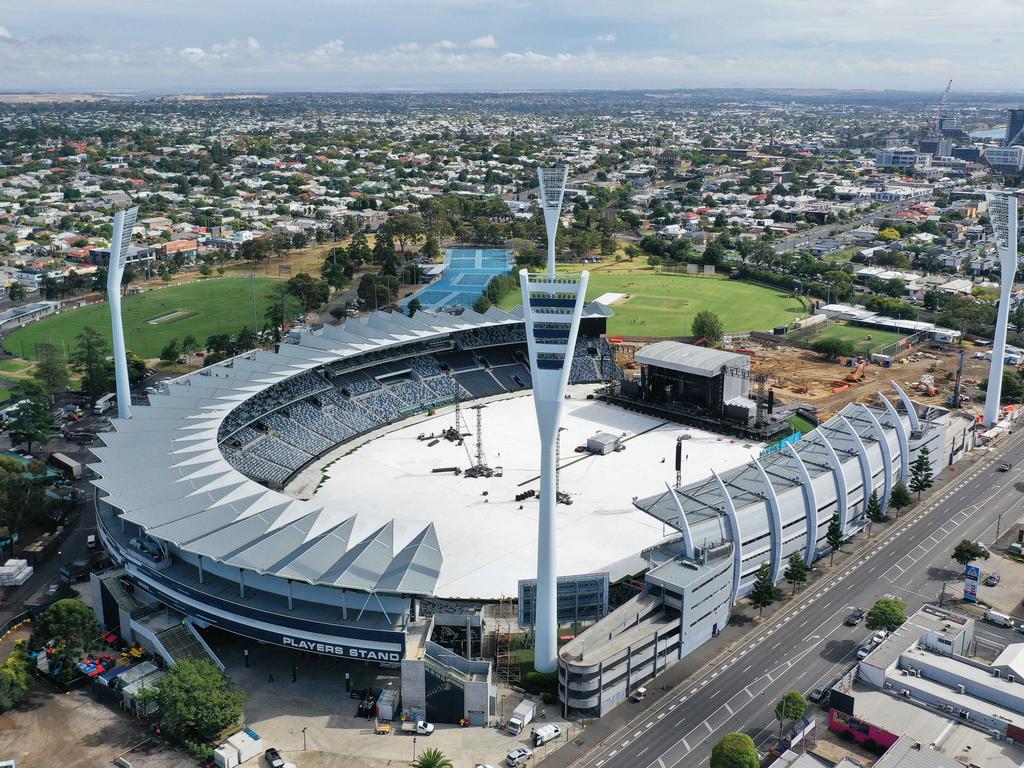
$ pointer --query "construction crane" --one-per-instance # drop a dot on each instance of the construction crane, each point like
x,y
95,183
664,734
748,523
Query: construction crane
x,y
942,104
954,399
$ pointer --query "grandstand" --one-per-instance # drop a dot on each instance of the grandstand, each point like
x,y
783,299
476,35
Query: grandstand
x,y
276,433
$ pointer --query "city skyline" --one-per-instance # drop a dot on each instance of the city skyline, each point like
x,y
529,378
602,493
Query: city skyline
x,y
336,45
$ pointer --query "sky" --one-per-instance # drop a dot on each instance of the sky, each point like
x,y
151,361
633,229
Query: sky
x,y
349,45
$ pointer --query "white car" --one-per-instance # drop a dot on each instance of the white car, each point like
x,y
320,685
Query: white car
x,y
864,650
518,757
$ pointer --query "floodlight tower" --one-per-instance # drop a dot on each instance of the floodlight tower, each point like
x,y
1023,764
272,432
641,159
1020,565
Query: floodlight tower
x,y
552,307
1002,211
552,188
123,223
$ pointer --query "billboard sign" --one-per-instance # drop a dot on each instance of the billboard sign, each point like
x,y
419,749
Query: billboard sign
x,y
972,575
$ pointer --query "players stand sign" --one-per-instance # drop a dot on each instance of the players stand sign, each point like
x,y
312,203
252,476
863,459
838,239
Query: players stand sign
x,y
972,575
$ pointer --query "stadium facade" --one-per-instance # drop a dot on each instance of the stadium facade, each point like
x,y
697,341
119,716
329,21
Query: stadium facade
x,y
190,509
729,525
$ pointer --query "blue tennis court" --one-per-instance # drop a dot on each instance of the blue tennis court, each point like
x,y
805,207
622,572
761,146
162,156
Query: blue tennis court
x,y
465,276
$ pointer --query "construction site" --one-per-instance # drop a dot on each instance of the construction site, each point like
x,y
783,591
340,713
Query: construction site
x,y
799,376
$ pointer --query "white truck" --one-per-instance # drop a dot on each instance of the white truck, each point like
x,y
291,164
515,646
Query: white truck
x,y
417,728
546,733
522,716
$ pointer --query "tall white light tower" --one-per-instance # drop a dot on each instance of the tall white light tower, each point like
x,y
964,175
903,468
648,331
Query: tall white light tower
x,y
123,223
552,307
1002,211
552,188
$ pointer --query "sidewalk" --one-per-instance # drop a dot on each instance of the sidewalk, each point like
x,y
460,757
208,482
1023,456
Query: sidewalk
x,y
744,620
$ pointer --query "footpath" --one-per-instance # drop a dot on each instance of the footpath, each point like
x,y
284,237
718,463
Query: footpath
x,y
589,734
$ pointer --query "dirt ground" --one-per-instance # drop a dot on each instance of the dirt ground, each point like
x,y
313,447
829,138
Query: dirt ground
x,y
799,375
74,730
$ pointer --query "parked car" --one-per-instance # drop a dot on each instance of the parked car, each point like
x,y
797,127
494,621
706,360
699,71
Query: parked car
x,y
855,618
518,757
273,758
52,590
992,580
879,637
639,694
819,695
864,650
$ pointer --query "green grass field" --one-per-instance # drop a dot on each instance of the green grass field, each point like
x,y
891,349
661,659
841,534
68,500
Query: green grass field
x,y
216,306
665,305
864,340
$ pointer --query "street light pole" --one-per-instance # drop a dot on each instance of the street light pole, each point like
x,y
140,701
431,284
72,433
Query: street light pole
x,y
414,749
303,739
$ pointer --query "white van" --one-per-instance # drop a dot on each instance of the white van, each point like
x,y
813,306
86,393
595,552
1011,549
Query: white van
x,y
1000,619
546,733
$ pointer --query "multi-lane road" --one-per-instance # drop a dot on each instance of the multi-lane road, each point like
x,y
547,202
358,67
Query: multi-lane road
x,y
807,644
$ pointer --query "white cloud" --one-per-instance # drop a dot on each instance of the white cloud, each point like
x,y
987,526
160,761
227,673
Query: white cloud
x,y
329,51
448,44
487,41
4,34
609,38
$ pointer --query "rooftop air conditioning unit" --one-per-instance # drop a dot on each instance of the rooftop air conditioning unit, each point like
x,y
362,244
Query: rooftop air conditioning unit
x,y
960,688
917,673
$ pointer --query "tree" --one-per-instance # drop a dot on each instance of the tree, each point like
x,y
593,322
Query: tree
x,y
792,706
70,628
899,497
889,613
33,421
90,360
833,348
196,696
707,325
763,593
311,293
796,570
873,509
51,370
834,536
432,758
414,306
170,353
967,551
735,750
16,292
15,677
889,234
921,473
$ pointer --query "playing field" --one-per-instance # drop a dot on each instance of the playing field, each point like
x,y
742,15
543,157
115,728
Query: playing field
x,y
207,308
665,305
864,340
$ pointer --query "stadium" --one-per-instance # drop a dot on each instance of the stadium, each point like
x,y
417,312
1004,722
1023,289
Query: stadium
x,y
230,500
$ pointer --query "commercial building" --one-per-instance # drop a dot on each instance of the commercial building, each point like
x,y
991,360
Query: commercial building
x,y
919,692
902,158
1015,126
1007,159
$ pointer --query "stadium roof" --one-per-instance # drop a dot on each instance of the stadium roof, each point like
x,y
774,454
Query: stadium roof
x,y
163,469
687,358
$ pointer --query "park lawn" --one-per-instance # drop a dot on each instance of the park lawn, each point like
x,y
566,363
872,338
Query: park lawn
x,y
665,305
843,254
216,306
864,340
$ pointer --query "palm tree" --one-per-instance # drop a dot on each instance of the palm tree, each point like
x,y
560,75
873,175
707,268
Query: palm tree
x,y
432,758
